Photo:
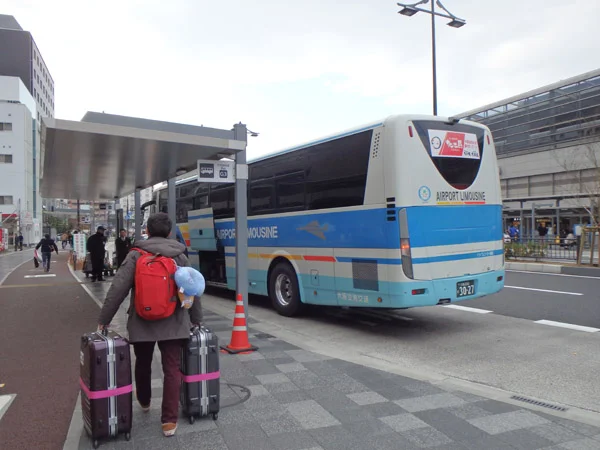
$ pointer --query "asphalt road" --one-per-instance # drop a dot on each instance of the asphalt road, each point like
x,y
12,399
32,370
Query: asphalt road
x,y
560,298
41,322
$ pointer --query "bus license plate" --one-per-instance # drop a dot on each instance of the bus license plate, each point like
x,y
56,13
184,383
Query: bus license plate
x,y
465,288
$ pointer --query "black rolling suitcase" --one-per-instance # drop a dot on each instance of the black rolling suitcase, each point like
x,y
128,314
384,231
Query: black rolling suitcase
x,y
106,388
200,388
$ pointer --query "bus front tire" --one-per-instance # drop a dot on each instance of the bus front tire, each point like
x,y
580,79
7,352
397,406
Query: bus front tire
x,y
285,291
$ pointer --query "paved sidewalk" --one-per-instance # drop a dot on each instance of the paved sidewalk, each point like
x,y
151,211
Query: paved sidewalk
x,y
284,397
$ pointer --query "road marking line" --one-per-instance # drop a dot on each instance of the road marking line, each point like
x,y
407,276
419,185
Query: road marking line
x,y
5,401
568,325
468,309
408,319
46,275
554,274
542,290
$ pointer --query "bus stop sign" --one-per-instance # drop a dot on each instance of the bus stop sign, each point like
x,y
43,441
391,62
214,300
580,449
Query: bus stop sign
x,y
211,171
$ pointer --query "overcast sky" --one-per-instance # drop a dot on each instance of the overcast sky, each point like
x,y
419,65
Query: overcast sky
x,y
294,71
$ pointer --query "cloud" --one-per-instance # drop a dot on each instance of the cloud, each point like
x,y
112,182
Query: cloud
x,y
297,70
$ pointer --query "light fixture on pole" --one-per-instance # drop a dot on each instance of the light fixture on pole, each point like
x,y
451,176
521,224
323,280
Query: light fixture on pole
x,y
410,10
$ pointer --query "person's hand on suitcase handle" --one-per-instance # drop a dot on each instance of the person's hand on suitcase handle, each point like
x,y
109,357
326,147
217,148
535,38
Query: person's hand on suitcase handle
x,y
103,329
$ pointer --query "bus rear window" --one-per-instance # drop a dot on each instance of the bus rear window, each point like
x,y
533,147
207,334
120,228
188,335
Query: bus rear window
x,y
455,149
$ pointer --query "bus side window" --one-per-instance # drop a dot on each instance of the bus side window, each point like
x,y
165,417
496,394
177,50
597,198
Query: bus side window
x,y
337,172
290,192
261,197
222,202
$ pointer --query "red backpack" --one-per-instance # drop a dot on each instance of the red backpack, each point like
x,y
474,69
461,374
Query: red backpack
x,y
155,288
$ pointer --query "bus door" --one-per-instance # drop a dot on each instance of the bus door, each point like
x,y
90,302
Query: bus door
x,y
201,225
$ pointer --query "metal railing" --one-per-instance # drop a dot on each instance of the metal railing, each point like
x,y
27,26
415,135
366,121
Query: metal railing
x,y
549,248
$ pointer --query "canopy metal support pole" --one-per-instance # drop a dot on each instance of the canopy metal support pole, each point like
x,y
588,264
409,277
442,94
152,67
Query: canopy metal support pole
x,y
137,215
171,205
241,217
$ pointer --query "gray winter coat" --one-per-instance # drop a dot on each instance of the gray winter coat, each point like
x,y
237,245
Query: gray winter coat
x,y
176,326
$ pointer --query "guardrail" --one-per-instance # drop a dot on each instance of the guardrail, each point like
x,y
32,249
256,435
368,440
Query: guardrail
x,y
542,248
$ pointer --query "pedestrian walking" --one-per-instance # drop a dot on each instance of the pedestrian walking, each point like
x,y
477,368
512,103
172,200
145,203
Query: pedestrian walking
x,y
170,332
122,246
47,246
21,241
95,246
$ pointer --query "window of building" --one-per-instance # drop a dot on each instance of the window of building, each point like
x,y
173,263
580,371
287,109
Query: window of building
x,y
5,126
6,199
6,159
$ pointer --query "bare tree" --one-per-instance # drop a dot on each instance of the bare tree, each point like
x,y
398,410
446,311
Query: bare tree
x,y
581,177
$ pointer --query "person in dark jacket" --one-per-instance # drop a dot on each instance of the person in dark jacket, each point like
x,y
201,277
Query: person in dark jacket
x,y
47,246
95,246
170,333
122,245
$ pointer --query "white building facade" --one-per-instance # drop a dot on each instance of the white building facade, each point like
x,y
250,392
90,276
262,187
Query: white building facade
x,y
20,202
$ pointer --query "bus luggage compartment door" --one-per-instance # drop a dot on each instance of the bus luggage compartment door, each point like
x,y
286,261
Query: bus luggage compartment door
x,y
201,226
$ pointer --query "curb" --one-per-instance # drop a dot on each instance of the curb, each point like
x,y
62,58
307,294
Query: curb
x,y
553,269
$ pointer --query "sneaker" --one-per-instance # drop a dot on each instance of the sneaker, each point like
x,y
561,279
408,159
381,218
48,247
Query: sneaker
x,y
169,429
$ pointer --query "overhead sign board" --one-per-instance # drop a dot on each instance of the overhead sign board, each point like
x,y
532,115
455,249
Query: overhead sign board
x,y
210,171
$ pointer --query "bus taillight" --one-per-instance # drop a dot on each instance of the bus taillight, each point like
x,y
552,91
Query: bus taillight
x,y
405,253
407,266
488,139
410,133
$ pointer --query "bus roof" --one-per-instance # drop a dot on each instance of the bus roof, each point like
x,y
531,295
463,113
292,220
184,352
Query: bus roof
x,y
331,137
321,140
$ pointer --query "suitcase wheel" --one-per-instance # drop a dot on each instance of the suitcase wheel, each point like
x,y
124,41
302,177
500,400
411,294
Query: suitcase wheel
x,y
215,416
192,420
127,436
96,444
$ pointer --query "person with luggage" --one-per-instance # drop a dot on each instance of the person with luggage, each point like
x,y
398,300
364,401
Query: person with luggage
x,y
47,246
154,315
95,246
122,246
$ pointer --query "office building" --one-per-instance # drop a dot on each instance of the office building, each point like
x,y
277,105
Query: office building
x,y
20,203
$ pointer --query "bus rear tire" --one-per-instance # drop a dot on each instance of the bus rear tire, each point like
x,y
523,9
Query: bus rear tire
x,y
285,291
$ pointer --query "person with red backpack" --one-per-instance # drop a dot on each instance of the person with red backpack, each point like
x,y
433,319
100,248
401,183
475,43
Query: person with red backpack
x,y
155,314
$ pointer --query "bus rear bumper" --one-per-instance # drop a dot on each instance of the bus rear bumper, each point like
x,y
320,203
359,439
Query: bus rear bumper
x,y
446,290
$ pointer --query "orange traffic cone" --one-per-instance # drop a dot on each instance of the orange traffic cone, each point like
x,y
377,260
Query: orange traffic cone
x,y
239,336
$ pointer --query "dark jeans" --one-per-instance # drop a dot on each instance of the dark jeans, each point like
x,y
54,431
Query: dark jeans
x,y
46,260
97,266
170,355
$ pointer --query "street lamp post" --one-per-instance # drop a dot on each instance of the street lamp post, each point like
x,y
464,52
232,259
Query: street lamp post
x,y
410,10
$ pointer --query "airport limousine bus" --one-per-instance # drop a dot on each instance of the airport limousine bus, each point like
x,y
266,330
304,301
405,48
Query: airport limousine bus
x,y
401,213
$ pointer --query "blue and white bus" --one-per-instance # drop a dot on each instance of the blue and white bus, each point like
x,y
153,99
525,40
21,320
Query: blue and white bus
x,y
400,213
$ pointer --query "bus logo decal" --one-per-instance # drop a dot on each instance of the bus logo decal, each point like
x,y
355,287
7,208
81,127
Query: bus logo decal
x,y
315,229
424,193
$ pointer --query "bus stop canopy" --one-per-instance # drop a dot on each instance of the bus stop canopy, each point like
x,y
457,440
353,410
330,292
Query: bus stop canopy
x,y
111,156
106,156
